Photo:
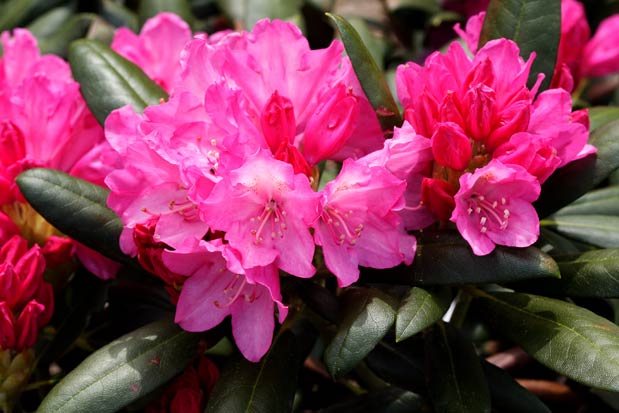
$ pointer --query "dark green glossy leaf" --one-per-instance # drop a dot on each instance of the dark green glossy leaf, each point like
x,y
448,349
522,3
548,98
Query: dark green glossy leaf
x,y
74,206
119,15
319,299
600,230
446,259
13,13
150,8
368,314
49,23
534,24
428,6
74,28
553,243
589,274
370,75
507,395
599,202
456,381
420,309
601,115
387,400
566,338
267,386
249,13
109,81
124,370
401,364
579,177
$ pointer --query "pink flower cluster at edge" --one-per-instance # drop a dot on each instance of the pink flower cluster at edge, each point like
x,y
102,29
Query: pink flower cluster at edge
x,y
477,143
218,188
26,300
579,55
44,122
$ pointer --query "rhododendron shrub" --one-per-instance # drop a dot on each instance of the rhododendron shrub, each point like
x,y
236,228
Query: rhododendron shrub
x,y
287,232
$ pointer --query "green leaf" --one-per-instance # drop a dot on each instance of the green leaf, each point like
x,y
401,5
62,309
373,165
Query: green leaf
x,y
249,13
119,15
401,364
581,176
601,115
47,24
109,81
13,13
74,28
554,244
420,309
370,75
74,206
507,395
387,400
124,370
267,386
150,8
562,336
444,258
589,274
600,230
368,314
599,202
534,24
456,381
428,6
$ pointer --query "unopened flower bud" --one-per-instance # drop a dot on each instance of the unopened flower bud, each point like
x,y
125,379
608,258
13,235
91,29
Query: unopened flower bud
x,y
278,122
331,125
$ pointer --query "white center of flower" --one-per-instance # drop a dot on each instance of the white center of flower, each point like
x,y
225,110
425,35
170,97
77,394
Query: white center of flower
x,y
272,222
490,213
340,225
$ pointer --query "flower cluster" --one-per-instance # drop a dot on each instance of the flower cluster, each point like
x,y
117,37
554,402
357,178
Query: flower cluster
x,y
488,142
44,122
218,188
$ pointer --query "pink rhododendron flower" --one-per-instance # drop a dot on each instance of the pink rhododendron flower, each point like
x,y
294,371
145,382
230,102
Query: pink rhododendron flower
x,y
359,225
266,210
493,206
212,292
601,54
157,48
478,112
44,122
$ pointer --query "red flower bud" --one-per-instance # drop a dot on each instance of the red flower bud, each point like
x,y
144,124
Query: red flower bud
x,y
451,147
27,325
278,122
331,125
438,196
7,327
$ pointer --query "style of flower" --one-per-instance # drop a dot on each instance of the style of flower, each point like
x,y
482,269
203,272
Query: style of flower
x,y
493,206
44,122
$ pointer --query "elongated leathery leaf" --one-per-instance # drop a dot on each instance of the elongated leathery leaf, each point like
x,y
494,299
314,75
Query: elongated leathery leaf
x,y
368,316
267,386
109,81
601,115
388,400
600,230
150,8
420,309
401,364
534,24
579,177
369,74
456,381
124,370
569,339
74,206
446,259
603,201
